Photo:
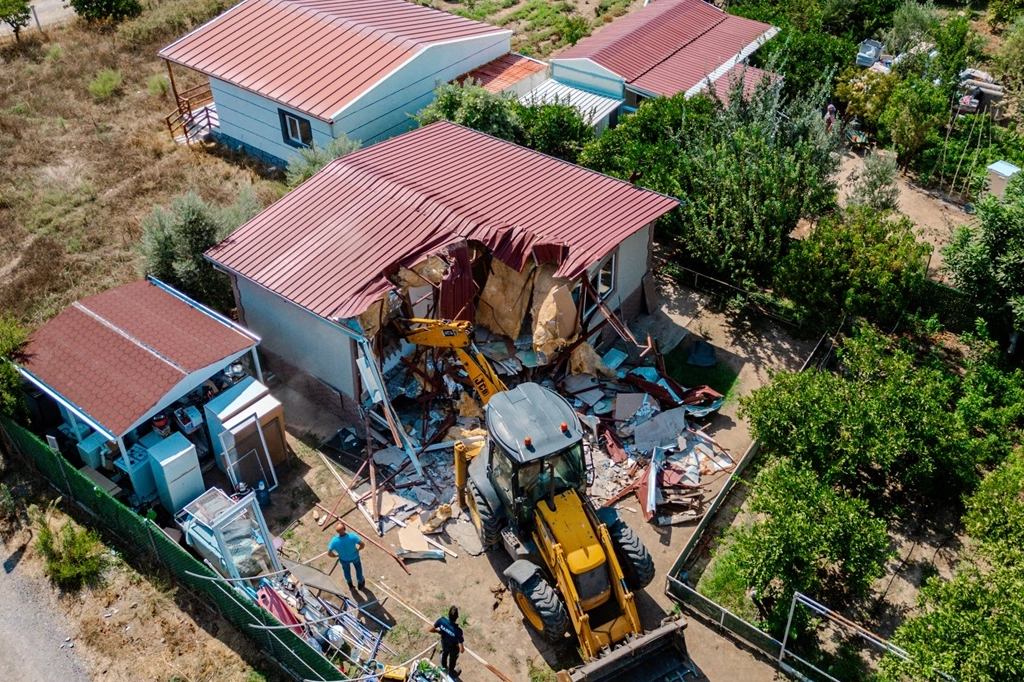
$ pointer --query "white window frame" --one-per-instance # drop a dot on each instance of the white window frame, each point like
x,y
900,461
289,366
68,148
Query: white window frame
x,y
609,263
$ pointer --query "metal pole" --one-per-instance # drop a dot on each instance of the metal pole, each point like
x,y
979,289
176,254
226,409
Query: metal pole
x,y
789,622
36,17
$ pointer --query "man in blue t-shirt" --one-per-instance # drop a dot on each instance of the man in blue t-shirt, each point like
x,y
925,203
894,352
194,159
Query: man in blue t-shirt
x,y
451,640
345,547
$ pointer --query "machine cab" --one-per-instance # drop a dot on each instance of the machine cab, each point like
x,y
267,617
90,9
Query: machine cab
x,y
535,450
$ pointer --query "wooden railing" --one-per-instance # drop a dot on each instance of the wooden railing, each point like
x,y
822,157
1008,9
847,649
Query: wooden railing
x,y
191,116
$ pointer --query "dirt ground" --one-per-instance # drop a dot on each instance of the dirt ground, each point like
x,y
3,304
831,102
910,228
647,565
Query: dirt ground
x,y
129,628
495,629
935,216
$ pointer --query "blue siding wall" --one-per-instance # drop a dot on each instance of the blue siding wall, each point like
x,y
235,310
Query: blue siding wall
x,y
255,122
386,109
301,338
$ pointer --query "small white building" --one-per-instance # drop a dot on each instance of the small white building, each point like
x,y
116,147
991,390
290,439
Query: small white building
x,y
285,74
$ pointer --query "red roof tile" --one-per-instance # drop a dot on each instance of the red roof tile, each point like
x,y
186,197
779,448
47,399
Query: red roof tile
x,y
504,72
115,355
315,56
327,245
668,46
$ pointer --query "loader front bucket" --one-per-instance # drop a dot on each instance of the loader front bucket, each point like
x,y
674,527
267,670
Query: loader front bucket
x,y
657,656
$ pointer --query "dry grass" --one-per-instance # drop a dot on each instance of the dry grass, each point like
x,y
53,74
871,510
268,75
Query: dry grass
x,y
79,175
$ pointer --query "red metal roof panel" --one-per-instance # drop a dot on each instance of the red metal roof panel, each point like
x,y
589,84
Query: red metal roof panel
x,y
747,77
327,245
667,43
504,72
115,355
699,59
316,56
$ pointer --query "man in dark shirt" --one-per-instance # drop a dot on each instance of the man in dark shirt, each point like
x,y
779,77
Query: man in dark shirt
x,y
451,640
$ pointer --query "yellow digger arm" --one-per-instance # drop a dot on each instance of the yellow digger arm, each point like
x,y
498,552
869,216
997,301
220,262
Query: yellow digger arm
x,y
455,334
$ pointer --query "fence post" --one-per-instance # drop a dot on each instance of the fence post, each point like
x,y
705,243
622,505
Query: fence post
x,y
789,622
152,543
60,465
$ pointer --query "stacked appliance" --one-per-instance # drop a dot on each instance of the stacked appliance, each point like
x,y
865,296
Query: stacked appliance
x,y
175,470
247,433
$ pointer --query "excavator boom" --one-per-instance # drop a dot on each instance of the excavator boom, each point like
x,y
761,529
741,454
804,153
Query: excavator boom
x,y
456,334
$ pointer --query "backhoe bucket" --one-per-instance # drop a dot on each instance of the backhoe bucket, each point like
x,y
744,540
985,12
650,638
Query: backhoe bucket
x,y
658,656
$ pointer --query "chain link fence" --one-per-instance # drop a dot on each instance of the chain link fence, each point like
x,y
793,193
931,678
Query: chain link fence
x,y
138,536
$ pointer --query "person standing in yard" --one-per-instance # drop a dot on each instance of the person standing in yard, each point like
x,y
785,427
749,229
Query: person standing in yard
x,y
345,547
451,640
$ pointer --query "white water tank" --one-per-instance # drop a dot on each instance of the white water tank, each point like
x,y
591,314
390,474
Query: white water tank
x,y
999,174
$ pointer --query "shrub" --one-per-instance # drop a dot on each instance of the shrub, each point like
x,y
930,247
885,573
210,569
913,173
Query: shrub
x,y
8,509
106,10
169,19
158,86
105,84
307,162
12,336
877,187
74,557
175,239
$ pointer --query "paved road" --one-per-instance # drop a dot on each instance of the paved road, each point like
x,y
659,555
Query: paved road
x,y
48,11
32,632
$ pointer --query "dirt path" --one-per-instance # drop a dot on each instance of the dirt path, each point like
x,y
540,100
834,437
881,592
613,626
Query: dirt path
x,y
33,630
936,218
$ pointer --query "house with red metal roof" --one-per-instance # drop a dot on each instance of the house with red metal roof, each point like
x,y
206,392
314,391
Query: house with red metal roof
x,y
441,222
663,49
281,75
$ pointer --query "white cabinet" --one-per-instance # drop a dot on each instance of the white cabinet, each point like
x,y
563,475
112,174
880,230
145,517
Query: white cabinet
x,y
176,471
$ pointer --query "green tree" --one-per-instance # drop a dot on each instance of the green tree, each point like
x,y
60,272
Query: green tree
x,y
1009,58
809,538
987,260
474,107
972,627
106,10
308,161
913,23
745,173
16,14
175,239
995,513
991,404
864,94
915,108
958,47
883,421
12,337
554,128
860,263
1003,11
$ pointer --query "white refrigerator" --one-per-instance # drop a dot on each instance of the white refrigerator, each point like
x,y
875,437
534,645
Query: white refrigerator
x,y
176,472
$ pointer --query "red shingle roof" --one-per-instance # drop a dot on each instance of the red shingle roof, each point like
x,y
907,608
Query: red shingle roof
x,y
327,245
668,46
504,72
316,56
117,354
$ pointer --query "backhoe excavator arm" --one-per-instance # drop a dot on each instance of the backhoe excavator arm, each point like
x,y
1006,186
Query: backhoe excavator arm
x,y
455,334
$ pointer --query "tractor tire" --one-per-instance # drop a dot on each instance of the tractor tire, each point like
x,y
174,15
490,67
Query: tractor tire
x,y
542,607
636,562
488,523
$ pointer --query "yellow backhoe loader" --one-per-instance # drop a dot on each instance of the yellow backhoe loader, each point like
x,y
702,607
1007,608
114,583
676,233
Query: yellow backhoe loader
x,y
573,565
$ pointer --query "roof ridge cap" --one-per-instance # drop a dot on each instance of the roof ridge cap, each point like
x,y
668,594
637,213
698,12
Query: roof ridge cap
x,y
352,24
77,305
